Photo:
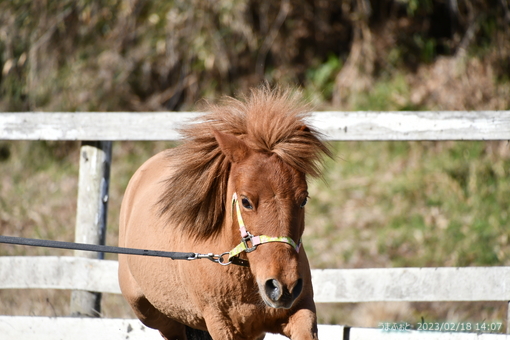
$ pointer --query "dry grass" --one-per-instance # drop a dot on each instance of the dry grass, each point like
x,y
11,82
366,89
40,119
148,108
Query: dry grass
x,y
459,84
38,200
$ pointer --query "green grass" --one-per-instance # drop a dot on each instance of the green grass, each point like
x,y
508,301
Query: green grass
x,y
411,204
400,204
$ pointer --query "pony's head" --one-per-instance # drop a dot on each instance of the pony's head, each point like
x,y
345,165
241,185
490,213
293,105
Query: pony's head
x,y
244,164
268,214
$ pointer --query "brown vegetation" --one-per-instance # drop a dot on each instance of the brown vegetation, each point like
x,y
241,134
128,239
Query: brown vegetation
x,y
149,55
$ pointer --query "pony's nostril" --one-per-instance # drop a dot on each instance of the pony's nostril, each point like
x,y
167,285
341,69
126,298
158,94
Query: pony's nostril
x,y
298,287
273,289
278,295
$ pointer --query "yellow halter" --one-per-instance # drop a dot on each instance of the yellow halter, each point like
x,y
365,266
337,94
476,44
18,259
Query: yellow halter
x,y
255,240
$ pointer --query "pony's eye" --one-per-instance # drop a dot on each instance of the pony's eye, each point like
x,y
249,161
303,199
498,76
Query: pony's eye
x,y
304,203
246,203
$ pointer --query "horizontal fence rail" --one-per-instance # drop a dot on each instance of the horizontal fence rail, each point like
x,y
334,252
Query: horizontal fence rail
x,y
412,284
330,285
54,272
29,328
336,125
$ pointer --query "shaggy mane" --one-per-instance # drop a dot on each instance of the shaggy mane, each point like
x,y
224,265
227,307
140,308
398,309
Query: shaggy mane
x,y
270,121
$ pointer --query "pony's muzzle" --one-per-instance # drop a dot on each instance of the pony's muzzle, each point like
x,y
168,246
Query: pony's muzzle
x,y
281,296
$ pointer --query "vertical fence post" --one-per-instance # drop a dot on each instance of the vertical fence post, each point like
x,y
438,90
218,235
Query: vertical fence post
x,y
508,317
93,183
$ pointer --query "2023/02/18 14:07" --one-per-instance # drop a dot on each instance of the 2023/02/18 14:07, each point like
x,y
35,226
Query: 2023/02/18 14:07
x,y
460,326
442,326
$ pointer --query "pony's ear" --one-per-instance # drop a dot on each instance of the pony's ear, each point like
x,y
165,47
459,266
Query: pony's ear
x,y
304,128
232,147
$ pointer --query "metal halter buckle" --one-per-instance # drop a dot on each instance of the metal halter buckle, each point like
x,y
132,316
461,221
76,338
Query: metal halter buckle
x,y
245,240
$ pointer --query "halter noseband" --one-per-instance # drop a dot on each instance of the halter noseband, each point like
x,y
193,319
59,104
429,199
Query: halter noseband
x,y
255,240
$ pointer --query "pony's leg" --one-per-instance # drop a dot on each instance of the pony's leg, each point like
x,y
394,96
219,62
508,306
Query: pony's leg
x,y
221,329
144,310
225,331
302,325
153,318
219,336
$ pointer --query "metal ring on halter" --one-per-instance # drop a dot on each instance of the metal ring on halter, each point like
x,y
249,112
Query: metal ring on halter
x,y
222,261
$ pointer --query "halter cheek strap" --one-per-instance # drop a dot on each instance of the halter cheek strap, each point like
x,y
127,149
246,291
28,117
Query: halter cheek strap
x,y
246,236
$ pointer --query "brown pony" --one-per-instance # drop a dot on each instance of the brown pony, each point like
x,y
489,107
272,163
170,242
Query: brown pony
x,y
239,174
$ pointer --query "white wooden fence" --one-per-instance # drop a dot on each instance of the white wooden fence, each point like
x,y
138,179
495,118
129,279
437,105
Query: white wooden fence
x,y
87,275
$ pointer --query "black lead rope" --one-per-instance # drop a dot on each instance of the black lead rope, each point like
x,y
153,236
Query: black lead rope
x,y
109,249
